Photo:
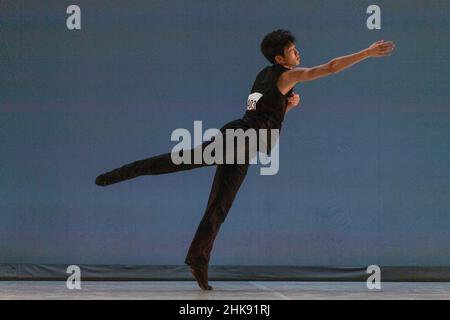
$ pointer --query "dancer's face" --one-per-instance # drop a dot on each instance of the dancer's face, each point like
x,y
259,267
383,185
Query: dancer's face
x,y
291,57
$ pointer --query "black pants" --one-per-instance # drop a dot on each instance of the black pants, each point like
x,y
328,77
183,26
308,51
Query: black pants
x,y
227,181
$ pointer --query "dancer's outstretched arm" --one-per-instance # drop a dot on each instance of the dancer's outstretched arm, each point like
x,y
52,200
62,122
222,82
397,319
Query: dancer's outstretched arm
x,y
290,78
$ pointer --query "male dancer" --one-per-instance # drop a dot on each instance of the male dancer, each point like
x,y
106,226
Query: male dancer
x,y
270,98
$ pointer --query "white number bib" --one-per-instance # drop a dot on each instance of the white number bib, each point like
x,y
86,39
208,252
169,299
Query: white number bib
x,y
252,100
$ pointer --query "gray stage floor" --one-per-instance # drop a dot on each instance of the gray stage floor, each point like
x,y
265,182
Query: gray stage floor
x,y
228,290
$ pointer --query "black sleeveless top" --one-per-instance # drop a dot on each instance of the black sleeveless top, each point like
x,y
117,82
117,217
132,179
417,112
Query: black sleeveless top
x,y
266,105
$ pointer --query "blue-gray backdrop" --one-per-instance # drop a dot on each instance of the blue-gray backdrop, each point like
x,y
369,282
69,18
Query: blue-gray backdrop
x,y
364,162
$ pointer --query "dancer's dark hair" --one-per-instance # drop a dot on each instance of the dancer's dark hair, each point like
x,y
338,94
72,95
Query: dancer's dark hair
x,y
274,43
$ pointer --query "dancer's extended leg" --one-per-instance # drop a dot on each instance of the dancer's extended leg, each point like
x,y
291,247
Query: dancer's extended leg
x,y
151,166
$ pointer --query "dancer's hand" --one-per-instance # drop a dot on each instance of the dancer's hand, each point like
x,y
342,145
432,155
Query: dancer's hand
x,y
381,49
293,101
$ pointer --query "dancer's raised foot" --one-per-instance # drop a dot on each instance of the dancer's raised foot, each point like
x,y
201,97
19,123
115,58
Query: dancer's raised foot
x,y
108,178
101,180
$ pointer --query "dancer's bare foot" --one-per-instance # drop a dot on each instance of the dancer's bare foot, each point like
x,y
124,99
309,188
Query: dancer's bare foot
x,y
200,274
